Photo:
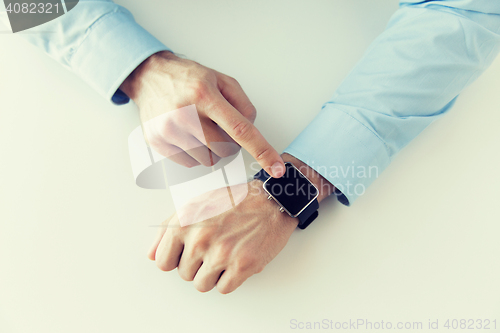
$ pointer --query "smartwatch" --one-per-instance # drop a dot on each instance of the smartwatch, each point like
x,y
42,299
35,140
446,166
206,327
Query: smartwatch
x,y
293,192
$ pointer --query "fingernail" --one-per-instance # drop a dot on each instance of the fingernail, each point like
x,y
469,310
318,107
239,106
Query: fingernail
x,y
278,170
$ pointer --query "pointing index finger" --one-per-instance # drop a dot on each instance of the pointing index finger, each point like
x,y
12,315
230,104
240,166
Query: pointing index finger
x,y
247,136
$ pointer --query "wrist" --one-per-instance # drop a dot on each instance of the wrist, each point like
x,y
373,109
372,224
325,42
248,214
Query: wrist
x,y
135,85
324,187
282,220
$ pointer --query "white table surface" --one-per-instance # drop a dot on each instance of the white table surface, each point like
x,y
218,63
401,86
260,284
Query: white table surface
x,y
421,244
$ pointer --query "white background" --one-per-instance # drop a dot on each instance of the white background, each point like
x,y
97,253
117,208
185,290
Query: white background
x,y
421,244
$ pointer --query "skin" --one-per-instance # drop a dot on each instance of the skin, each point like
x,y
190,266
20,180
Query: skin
x,y
222,250
225,250
165,83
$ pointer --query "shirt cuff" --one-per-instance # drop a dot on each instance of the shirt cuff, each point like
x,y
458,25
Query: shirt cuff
x,y
114,46
342,150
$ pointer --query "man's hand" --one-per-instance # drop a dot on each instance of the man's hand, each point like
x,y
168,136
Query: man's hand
x,y
165,83
226,249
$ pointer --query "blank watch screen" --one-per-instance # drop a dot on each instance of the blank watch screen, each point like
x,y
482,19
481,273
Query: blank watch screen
x,y
293,191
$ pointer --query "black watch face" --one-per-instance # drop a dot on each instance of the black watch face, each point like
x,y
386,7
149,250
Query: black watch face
x,y
293,191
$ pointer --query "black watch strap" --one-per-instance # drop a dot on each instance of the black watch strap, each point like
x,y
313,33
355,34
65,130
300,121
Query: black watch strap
x,y
309,214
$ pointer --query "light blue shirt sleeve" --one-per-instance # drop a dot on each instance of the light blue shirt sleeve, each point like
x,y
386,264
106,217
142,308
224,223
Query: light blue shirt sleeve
x,y
99,41
409,76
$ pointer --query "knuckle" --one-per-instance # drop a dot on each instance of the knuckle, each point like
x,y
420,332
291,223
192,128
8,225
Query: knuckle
x,y
246,263
263,154
198,248
221,254
155,141
169,123
233,81
199,90
259,268
224,289
201,286
251,113
224,153
163,265
242,130
163,149
185,120
175,232
184,275
188,165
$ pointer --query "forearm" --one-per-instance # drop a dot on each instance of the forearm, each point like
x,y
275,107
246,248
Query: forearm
x,y
410,76
140,82
99,41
